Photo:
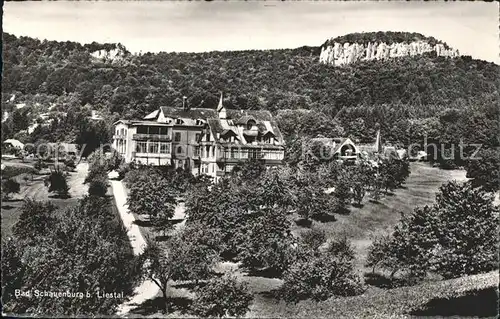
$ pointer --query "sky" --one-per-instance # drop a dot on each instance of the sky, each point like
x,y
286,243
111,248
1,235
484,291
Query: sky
x,y
470,27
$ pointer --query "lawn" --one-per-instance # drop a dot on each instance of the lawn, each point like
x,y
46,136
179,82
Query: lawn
x,y
361,224
33,187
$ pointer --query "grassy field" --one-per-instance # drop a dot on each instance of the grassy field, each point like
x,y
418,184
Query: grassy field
x,y
361,224
33,187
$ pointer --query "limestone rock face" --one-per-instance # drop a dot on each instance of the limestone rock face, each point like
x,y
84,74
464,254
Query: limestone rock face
x,y
345,53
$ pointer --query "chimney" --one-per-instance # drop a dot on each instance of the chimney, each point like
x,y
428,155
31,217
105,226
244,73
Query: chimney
x,y
185,105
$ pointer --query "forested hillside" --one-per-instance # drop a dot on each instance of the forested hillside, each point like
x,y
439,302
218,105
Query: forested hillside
x,y
396,94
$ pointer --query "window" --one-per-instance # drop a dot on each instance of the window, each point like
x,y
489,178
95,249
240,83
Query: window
x,y
179,150
255,153
244,154
177,137
197,137
250,124
197,151
234,153
142,130
164,148
153,147
141,147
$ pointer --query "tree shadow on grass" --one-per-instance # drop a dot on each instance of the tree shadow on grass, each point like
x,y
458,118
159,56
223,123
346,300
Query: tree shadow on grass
x,y
162,237
358,205
266,273
8,207
156,305
60,196
303,222
272,294
374,201
382,281
176,221
143,223
12,200
482,303
191,285
324,218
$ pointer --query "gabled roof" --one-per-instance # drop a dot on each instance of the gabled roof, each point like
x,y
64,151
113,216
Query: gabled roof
x,y
194,113
335,142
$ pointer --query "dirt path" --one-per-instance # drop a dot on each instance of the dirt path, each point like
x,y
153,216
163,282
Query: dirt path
x,y
147,289
75,181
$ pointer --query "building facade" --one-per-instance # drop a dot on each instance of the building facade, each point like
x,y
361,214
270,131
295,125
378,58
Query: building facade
x,y
201,140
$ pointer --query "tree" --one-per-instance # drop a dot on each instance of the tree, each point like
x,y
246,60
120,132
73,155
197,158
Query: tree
x,y
484,170
249,171
309,199
37,218
360,176
320,276
454,237
223,297
343,190
410,247
377,253
313,238
466,232
57,183
157,267
195,251
264,241
9,186
152,195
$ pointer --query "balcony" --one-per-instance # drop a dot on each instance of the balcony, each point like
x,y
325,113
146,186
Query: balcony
x,y
151,155
119,137
151,137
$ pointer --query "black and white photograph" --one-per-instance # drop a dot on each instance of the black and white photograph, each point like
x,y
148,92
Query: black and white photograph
x,y
250,159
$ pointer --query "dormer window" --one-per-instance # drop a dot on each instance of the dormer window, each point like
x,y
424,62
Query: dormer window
x,y
179,121
250,124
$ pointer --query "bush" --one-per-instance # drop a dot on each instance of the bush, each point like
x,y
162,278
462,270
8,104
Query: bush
x,y
57,183
320,277
221,298
10,186
37,218
70,164
98,187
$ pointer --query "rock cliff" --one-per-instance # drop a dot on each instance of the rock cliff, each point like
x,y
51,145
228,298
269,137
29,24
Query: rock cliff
x,y
336,53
